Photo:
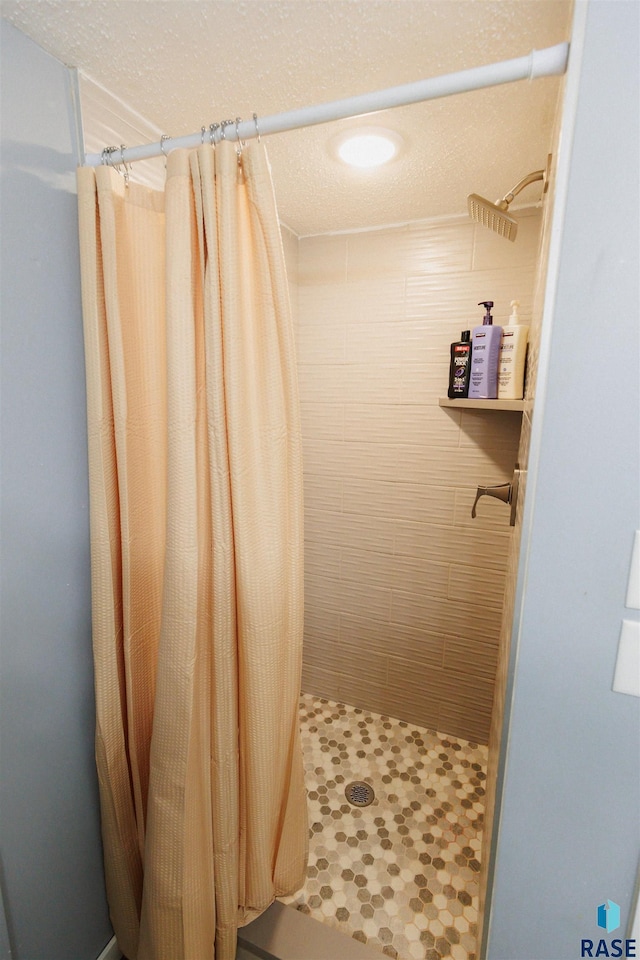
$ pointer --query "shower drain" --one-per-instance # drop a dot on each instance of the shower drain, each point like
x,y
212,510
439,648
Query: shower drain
x,y
359,794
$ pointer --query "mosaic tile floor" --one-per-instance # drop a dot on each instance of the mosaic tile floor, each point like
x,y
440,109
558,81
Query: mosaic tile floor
x,y
401,874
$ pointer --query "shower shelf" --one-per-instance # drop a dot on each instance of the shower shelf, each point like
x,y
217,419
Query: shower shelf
x,y
517,406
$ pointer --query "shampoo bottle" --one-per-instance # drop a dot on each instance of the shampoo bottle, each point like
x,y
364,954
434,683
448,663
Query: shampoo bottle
x,y
485,351
513,352
460,366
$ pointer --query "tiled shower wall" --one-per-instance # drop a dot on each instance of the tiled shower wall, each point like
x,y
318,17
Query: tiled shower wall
x,y
403,589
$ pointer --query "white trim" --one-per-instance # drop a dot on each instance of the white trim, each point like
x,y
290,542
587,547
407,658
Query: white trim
x,y
526,209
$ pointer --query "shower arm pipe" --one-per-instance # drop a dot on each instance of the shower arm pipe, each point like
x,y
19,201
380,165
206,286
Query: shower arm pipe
x,y
551,61
520,185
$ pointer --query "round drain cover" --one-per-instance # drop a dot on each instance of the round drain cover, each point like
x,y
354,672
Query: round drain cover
x,y
359,793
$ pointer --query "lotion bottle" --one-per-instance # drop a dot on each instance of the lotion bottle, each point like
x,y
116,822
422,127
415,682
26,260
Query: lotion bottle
x,y
513,352
460,367
485,351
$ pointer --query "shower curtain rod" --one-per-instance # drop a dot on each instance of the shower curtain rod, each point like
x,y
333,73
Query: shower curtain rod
x,y
551,61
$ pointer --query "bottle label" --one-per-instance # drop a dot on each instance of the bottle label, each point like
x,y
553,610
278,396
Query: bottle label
x,y
459,375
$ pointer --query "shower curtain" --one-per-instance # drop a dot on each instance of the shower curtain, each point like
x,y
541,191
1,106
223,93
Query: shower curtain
x,y
196,550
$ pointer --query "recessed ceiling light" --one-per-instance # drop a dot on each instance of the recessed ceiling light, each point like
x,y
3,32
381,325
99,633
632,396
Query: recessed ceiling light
x,y
368,147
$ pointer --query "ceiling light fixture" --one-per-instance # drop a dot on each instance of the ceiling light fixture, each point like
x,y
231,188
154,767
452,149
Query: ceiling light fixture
x,y
367,147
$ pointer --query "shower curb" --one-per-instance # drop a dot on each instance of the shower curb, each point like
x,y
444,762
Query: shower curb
x,y
283,933
111,951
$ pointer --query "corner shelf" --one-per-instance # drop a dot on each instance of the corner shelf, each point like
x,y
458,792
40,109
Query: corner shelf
x,y
517,406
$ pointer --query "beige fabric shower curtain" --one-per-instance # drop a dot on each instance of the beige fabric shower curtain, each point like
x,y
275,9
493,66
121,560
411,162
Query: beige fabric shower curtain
x,y
196,550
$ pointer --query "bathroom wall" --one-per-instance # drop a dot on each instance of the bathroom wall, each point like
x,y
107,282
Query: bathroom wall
x,y
52,881
403,589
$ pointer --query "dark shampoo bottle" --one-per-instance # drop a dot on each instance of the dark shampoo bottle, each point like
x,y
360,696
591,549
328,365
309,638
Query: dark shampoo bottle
x,y
460,366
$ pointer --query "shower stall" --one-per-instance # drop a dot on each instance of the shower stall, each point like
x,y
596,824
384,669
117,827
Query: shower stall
x,y
404,588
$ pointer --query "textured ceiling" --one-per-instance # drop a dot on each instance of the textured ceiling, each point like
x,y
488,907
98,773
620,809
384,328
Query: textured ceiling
x,y
185,63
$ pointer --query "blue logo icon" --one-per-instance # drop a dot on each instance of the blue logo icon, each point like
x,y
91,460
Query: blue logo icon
x,y
609,916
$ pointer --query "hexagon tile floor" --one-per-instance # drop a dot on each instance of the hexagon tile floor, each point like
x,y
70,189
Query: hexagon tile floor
x,y
401,874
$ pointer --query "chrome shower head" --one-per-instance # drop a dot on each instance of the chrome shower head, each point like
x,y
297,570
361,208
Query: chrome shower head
x,y
492,216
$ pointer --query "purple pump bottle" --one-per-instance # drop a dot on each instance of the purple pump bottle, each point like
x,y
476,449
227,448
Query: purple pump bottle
x,y
485,355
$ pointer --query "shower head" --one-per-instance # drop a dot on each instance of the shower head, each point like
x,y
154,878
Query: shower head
x,y
491,215
494,215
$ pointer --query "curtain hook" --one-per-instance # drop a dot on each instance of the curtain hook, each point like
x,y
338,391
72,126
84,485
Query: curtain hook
x,y
127,170
117,165
107,153
255,120
202,132
165,136
223,127
240,146
213,129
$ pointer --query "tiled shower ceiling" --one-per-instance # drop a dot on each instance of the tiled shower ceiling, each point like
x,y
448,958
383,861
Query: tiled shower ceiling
x,y
185,63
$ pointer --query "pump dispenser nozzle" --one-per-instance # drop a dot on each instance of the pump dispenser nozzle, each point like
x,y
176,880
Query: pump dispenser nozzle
x,y
487,320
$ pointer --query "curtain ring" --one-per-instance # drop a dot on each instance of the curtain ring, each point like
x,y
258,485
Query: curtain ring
x,y
213,128
165,136
202,131
255,120
107,154
124,164
223,127
240,146
115,165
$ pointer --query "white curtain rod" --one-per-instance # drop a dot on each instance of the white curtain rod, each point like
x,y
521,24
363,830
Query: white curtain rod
x,y
551,61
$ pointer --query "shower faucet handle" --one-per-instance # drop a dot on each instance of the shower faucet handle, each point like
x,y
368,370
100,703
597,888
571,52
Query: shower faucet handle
x,y
507,492
502,491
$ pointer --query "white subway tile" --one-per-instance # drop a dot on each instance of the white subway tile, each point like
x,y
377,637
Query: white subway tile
x,y
322,260
403,589
377,253
369,497
321,559
476,584
408,423
453,298
343,596
321,383
323,421
322,343
361,532
492,252
471,656
340,657
322,492
445,616
396,640
440,247
442,544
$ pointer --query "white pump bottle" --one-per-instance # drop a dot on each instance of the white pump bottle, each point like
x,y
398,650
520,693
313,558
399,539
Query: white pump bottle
x,y
513,352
